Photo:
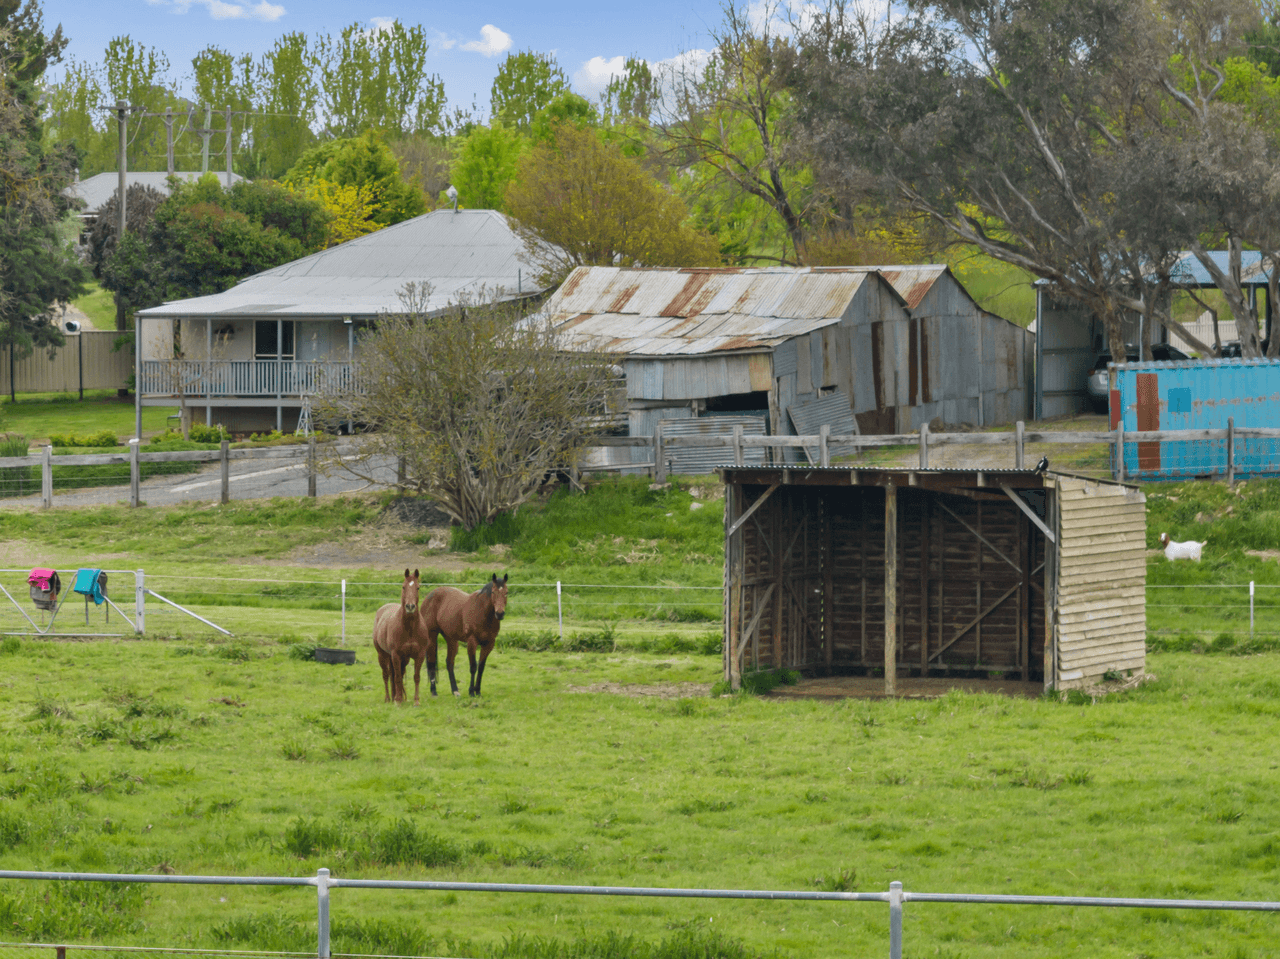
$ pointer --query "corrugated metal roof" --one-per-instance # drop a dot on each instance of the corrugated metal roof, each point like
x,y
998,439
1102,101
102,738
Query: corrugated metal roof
x,y
97,190
660,312
457,253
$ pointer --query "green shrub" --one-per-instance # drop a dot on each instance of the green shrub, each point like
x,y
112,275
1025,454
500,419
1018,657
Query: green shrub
x,y
16,480
505,528
200,433
10,646
100,439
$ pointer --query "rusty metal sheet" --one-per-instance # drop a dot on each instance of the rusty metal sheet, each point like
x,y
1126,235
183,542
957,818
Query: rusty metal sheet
x,y
818,295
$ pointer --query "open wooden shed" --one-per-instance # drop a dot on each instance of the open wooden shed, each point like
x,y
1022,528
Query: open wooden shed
x,y
1038,576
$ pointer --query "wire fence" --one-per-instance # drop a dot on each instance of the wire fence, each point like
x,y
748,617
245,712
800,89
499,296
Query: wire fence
x,y
896,897
1243,617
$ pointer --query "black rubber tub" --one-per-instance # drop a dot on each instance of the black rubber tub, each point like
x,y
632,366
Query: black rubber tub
x,y
344,656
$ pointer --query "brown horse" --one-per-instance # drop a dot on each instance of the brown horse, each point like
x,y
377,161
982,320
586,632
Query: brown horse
x,y
399,635
474,618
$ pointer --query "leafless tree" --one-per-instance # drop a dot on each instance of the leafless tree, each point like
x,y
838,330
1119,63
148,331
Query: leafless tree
x,y
478,403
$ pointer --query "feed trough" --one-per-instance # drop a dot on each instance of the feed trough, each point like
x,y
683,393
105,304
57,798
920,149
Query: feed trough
x,y
344,656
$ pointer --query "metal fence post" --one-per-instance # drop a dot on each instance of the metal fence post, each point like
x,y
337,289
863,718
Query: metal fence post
x,y
895,920
924,446
135,474
560,611
46,478
1251,610
1019,445
139,601
344,612
1120,470
225,458
659,467
322,913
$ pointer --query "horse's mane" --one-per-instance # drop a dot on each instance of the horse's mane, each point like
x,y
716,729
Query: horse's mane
x,y
486,589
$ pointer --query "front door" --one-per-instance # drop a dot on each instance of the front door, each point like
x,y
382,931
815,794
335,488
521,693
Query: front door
x,y
272,340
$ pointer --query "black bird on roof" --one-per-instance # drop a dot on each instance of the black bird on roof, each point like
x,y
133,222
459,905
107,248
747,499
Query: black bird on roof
x,y
1043,464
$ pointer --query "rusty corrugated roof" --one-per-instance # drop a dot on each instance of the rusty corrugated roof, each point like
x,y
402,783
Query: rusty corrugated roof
x,y
656,312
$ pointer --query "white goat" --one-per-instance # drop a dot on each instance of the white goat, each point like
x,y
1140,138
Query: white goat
x,y
1188,550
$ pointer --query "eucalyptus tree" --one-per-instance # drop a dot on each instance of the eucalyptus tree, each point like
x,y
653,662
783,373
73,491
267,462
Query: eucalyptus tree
x,y
1050,134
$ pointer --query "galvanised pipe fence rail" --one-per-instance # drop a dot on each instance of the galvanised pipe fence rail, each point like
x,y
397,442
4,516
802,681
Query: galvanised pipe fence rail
x,y
896,897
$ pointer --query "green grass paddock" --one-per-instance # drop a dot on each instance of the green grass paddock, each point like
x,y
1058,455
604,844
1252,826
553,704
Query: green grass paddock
x,y
237,758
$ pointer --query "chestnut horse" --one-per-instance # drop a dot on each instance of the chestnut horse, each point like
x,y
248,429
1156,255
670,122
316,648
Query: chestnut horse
x,y
399,635
460,617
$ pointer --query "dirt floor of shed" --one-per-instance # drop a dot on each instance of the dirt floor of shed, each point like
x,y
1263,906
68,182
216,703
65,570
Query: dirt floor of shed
x,y
867,687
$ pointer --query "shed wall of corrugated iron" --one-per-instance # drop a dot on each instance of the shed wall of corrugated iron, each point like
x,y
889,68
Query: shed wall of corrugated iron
x,y
696,460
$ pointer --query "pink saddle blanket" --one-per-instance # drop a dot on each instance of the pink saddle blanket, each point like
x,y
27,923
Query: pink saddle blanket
x,y
41,578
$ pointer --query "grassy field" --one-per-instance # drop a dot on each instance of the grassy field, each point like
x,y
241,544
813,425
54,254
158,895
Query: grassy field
x,y
238,758
99,305
37,415
176,753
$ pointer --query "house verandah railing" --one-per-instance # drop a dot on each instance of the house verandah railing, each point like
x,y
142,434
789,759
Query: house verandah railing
x,y
248,378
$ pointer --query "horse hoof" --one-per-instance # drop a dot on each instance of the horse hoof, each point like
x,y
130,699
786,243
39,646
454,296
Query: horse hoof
x,y
458,694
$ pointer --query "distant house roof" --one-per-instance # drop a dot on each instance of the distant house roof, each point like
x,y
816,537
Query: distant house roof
x,y
658,312
465,252
97,190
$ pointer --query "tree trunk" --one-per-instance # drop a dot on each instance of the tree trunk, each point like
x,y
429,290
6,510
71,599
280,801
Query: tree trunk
x,y
1232,290
122,326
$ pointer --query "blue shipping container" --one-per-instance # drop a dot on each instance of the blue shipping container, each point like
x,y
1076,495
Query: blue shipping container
x,y
1196,396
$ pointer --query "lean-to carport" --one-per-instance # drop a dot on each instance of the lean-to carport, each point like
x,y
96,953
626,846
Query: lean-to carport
x,y
1038,576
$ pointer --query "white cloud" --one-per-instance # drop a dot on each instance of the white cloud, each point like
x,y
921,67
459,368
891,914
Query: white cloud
x,y
494,41
443,41
382,24
220,10
592,77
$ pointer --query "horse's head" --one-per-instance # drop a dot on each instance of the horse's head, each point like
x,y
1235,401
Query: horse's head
x,y
409,592
498,589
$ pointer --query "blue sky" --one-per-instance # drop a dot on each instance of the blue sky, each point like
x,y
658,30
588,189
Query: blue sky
x,y
468,40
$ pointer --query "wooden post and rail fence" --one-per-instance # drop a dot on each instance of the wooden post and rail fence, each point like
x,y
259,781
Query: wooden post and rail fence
x,y
656,465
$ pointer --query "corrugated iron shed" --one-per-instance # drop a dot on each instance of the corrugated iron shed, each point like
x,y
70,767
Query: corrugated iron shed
x,y
666,312
457,253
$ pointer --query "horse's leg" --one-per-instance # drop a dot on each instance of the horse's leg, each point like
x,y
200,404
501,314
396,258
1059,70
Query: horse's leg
x,y
397,678
474,688
417,673
431,660
485,650
450,656
385,662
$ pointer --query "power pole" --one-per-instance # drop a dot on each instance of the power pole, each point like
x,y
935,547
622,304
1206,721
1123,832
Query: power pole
x,y
122,111
230,144
205,132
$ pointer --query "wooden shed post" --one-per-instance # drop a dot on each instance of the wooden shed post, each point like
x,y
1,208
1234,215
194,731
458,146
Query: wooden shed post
x,y
828,580
733,590
1019,445
824,450
890,590
659,467
924,446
